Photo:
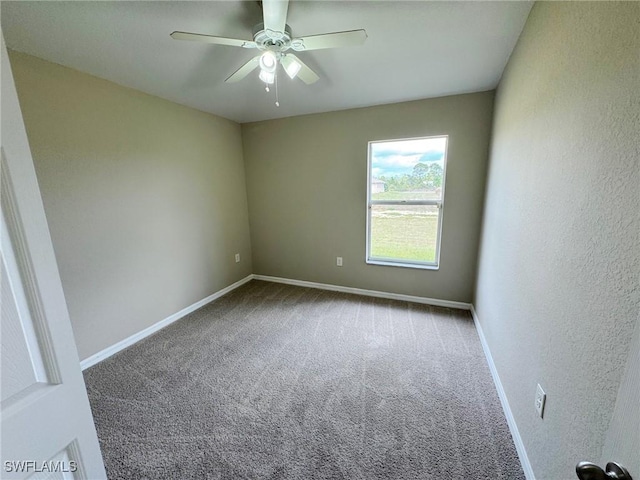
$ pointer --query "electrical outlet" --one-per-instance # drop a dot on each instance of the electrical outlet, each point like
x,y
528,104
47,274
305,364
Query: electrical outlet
x,y
541,398
339,261
237,257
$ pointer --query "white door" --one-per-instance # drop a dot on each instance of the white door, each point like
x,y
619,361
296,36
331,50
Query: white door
x,y
46,426
622,444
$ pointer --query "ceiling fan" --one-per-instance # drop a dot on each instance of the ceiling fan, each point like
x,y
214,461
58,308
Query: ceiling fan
x,y
274,40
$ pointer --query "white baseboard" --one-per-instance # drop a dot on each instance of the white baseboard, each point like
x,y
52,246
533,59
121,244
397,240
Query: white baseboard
x,y
369,293
136,337
513,427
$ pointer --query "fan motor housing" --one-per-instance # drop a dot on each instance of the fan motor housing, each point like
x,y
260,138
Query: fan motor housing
x,y
272,40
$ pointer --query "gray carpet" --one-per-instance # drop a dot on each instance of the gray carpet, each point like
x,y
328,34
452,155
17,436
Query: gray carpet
x,y
274,381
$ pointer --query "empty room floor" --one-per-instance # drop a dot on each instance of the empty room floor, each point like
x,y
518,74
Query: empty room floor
x,y
276,381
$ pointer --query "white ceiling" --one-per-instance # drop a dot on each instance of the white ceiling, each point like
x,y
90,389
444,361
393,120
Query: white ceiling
x,y
415,49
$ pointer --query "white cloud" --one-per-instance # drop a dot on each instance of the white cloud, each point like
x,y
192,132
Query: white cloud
x,y
397,157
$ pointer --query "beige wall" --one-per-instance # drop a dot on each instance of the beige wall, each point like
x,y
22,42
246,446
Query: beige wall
x,y
558,285
306,179
145,199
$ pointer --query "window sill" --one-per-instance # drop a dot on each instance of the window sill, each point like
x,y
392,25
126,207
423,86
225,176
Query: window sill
x,y
404,265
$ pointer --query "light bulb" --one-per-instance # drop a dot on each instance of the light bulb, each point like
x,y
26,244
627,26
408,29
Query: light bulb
x,y
268,61
292,68
267,77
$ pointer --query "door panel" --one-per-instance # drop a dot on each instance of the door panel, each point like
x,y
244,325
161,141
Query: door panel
x,y
21,358
47,430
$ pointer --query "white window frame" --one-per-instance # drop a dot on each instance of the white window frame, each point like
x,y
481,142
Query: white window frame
x,y
439,203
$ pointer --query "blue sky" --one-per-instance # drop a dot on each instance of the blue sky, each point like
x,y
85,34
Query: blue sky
x,y
398,157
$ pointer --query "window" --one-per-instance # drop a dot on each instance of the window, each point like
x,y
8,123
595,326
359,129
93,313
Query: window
x,y
405,195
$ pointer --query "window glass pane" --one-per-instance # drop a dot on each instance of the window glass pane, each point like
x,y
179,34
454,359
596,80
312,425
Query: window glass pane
x,y
404,232
407,169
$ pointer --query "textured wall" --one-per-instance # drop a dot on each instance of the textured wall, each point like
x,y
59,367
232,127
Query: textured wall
x,y
145,199
307,179
557,289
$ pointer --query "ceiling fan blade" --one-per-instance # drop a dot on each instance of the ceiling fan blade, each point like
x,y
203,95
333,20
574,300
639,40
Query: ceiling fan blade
x,y
305,74
199,37
275,14
244,70
352,38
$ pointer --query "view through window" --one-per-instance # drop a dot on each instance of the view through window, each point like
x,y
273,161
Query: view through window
x,y
405,200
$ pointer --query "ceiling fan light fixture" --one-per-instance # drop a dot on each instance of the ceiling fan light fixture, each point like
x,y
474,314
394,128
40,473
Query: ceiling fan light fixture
x,y
267,77
292,67
268,62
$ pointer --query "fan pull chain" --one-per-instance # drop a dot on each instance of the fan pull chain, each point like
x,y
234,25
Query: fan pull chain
x,y
276,79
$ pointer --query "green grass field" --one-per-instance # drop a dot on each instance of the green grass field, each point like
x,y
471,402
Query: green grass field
x,y
416,195
407,233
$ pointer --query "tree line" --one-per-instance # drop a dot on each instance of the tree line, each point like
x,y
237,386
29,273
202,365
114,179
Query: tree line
x,y
424,176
